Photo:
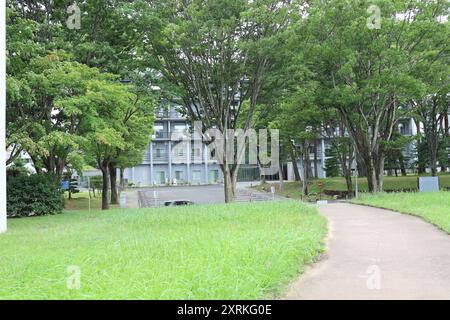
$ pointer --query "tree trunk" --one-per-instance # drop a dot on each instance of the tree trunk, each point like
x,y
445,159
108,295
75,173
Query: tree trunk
x,y
59,168
432,144
295,169
348,182
433,150
308,166
229,185
379,173
305,189
370,174
446,125
262,178
113,181
122,180
433,168
105,184
280,176
229,179
362,172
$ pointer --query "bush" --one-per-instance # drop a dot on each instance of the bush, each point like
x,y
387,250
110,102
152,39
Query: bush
x,y
34,195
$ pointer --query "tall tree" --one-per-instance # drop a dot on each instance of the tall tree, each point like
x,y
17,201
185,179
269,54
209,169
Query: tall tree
x,y
217,52
137,120
107,131
432,109
368,70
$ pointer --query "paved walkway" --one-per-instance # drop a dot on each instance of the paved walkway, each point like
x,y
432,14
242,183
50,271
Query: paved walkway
x,y
377,254
199,194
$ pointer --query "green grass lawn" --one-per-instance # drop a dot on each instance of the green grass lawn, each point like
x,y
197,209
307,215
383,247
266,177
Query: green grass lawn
x,y
432,207
237,251
293,189
80,201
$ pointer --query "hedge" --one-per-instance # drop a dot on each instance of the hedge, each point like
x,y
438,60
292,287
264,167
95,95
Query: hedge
x,y
34,195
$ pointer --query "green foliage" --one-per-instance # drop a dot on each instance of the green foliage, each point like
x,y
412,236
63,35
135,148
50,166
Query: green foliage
x,y
444,153
332,168
33,195
17,168
60,85
366,74
395,159
96,182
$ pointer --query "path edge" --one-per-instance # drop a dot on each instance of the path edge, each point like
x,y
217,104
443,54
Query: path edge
x,y
310,267
401,212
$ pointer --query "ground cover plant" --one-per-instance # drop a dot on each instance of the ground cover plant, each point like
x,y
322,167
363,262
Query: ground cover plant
x,y
433,207
235,251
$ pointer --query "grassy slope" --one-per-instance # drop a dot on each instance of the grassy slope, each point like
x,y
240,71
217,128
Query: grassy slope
x,y
293,189
432,207
80,201
238,251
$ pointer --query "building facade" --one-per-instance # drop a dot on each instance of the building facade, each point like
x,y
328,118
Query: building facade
x,y
174,156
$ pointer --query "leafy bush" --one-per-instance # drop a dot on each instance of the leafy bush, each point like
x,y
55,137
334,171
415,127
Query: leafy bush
x,y
34,195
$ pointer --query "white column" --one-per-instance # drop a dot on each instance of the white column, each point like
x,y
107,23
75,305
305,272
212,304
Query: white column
x,y
170,161
205,159
413,127
152,177
2,119
170,150
290,171
188,162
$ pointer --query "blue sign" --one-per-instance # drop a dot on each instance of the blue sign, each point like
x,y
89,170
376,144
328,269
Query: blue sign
x,y
65,185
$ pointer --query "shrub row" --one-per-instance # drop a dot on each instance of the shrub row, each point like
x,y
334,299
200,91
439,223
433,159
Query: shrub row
x,y
33,195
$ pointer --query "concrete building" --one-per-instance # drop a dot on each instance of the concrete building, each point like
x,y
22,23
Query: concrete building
x,y
172,157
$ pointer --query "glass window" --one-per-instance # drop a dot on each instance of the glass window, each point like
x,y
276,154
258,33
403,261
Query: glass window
x,y
213,176
196,152
196,175
179,175
161,177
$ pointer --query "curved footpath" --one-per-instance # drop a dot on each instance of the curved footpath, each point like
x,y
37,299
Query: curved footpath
x,y
377,254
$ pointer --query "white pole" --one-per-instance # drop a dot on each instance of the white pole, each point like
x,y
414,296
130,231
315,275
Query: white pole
x,y
2,118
